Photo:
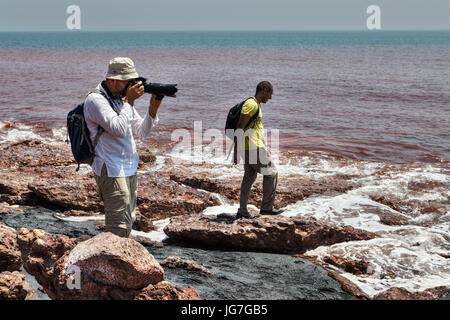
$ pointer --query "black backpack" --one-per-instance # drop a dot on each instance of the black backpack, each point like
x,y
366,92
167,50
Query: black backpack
x,y
78,132
233,118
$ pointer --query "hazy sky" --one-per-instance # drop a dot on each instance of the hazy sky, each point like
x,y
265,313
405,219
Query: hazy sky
x,y
224,14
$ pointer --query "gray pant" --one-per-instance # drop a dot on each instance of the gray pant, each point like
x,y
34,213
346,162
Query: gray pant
x,y
258,161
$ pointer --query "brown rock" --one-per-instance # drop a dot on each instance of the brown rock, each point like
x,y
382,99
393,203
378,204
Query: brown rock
x,y
40,251
356,267
147,242
10,256
166,291
14,187
6,208
396,293
290,189
177,262
13,286
66,193
143,223
349,286
115,261
34,153
159,198
266,233
47,258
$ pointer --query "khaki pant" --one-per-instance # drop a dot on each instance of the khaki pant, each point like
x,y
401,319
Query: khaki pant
x,y
119,199
258,161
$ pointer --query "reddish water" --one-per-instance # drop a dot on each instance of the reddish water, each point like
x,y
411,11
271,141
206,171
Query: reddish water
x,y
386,104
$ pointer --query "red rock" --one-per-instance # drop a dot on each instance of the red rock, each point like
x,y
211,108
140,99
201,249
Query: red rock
x,y
6,208
190,265
67,193
10,256
396,293
14,187
290,189
143,223
349,286
13,286
356,267
116,261
159,198
166,291
266,233
34,153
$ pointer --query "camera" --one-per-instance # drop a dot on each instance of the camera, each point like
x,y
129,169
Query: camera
x,y
160,89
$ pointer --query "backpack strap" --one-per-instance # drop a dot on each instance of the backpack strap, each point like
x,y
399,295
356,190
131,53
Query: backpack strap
x,y
253,118
100,130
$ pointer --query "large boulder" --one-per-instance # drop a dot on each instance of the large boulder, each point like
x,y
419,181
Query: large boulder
x,y
265,233
102,267
13,286
10,256
115,261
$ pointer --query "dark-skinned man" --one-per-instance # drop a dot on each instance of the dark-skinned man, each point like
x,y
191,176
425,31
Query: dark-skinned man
x,y
250,147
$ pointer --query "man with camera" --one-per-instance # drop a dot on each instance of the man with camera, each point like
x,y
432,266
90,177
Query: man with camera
x,y
111,107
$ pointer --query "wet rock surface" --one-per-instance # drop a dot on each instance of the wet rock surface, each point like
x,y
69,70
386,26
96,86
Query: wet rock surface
x,y
234,274
265,233
13,286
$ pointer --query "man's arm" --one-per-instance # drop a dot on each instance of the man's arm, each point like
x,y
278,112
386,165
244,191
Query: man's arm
x,y
242,123
142,127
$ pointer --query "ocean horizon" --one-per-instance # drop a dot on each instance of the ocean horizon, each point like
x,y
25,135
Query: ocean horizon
x,y
73,39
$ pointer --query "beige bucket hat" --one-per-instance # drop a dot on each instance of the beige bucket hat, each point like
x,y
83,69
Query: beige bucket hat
x,y
121,68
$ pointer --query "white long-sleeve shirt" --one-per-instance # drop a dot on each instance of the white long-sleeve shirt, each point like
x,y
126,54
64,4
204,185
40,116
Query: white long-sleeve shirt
x,y
116,147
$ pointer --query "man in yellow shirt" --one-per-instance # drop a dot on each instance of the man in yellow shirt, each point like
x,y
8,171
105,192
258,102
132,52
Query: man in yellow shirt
x,y
249,141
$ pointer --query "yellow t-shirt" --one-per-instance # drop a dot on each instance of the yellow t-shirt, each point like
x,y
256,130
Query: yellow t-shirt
x,y
255,132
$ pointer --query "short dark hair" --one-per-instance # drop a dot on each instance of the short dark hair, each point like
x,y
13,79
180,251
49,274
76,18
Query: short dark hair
x,y
264,85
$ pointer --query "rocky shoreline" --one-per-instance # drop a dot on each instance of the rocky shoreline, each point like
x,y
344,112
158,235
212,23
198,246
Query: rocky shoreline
x,y
36,176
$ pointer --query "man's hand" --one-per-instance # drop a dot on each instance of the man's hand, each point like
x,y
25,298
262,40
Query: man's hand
x,y
154,106
134,92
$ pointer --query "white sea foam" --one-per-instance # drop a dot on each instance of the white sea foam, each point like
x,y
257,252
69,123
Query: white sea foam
x,y
98,217
394,263
15,135
158,235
